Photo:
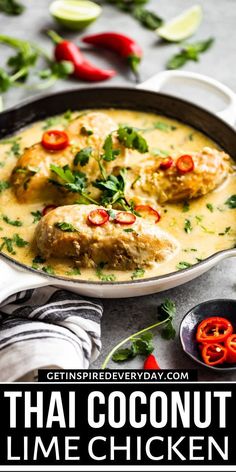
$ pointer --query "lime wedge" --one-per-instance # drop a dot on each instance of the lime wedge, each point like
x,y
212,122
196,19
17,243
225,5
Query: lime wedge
x,y
75,14
182,26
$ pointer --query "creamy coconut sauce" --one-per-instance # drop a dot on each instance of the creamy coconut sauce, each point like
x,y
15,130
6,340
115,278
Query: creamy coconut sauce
x,y
212,222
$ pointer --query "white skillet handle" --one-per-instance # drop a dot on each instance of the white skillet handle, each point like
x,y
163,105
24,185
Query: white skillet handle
x,y
13,280
156,83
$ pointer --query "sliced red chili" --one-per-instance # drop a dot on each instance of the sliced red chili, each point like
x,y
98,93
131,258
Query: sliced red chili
x,y
166,163
98,217
148,212
214,329
230,345
55,140
47,209
185,164
151,363
125,218
214,354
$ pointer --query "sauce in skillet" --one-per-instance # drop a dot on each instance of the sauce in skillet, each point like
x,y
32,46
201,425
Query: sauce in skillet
x,y
202,226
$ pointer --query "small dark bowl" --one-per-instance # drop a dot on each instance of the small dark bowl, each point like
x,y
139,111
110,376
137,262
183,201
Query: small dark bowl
x,y
188,328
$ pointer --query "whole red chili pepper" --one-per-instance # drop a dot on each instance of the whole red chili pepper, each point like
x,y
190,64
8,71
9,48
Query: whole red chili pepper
x,y
120,43
151,363
83,69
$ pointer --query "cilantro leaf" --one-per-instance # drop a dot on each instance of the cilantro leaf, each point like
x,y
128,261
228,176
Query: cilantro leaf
x,y
109,153
189,52
131,139
210,207
104,277
4,185
164,126
183,265
11,7
188,226
167,310
82,157
37,215
11,222
138,273
48,270
147,18
66,227
231,202
142,345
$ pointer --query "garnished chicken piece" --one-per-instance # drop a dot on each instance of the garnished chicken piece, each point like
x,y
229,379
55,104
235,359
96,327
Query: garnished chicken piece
x,y
30,177
182,177
90,236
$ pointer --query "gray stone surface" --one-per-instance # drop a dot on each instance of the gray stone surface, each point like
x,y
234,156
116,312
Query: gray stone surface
x,y
123,317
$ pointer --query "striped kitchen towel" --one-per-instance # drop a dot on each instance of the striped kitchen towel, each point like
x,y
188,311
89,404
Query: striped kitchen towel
x,y
47,328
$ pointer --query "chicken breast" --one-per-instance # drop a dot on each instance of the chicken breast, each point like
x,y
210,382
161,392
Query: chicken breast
x,y
211,167
109,244
30,177
91,129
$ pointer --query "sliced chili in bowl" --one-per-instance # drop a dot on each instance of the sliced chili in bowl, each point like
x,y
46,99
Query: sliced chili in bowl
x,y
98,217
230,345
214,329
185,164
214,354
147,211
55,140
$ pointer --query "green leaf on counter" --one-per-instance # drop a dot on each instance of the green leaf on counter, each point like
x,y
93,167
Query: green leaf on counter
x,y
189,52
167,311
11,7
147,18
141,345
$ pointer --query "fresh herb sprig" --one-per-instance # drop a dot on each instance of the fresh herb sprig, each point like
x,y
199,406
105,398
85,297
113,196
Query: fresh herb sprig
x,y
20,64
141,342
75,182
11,7
189,52
136,8
113,190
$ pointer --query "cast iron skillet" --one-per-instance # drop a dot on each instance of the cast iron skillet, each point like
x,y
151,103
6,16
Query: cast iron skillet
x,y
14,276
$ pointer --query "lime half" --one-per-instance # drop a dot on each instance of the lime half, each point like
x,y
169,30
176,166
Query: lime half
x,y
182,26
75,14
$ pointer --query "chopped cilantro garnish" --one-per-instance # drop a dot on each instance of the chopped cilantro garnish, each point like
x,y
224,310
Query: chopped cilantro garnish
x,y
82,157
188,226
66,227
11,222
138,273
